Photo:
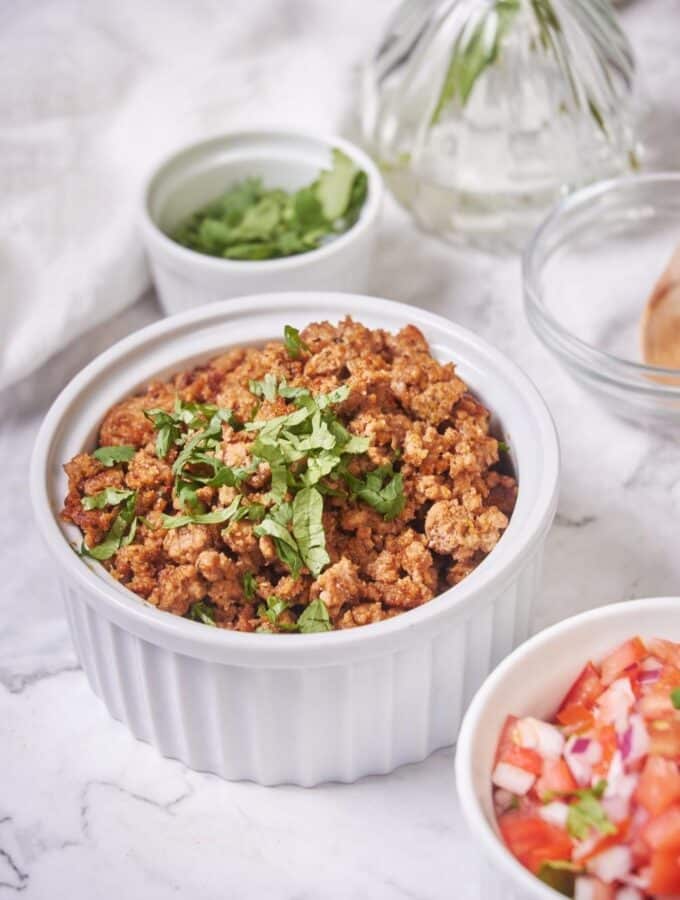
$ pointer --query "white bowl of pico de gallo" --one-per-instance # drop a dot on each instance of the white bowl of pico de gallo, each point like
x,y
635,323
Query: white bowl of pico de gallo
x,y
568,760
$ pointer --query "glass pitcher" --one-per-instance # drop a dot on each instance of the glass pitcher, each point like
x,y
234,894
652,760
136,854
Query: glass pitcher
x,y
483,112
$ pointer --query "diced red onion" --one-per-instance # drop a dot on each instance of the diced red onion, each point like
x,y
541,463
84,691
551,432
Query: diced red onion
x,y
615,703
502,799
556,813
580,745
541,736
581,764
639,739
651,663
585,847
625,741
628,893
612,864
585,888
512,778
649,675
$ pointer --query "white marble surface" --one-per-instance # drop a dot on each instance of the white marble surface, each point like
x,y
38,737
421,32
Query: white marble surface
x,y
88,812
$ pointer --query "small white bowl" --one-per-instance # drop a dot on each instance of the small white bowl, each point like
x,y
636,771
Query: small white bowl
x,y
192,177
297,709
532,681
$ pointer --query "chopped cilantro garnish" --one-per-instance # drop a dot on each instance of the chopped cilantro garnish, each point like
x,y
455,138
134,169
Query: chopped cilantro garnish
x,y
267,388
503,447
293,342
587,813
272,609
121,532
314,618
560,874
675,697
201,612
383,489
251,222
109,456
249,586
216,517
108,497
302,448
308,529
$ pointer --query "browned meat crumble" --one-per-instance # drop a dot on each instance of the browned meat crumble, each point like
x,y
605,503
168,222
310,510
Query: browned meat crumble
x,y
447,502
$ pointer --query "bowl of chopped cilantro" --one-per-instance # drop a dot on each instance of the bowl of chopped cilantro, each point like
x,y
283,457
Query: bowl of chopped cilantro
x,y
295,530
256,211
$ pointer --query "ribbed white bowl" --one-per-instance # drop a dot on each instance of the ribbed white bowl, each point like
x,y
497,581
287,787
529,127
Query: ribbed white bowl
x,y
198,173
298,709
532,682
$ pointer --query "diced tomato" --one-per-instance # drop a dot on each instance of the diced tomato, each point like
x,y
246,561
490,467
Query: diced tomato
x,y
586,689
524,758
663,831
575,718
666,651
534,841
509,751
606,735
659,785
664,872
556,777
506,739
665,737
625,655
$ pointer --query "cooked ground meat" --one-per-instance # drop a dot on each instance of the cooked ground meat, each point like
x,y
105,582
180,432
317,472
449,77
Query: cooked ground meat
x,y
332,480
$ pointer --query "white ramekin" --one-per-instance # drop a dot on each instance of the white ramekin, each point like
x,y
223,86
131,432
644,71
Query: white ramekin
x,y
195,175
297,709
532,681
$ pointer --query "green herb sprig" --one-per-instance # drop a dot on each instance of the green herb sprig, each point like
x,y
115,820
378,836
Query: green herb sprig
x,y
251,222
587,813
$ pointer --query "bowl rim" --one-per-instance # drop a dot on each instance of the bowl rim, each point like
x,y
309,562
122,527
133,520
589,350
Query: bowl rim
x,y
187,257
606,366
293,650
470,804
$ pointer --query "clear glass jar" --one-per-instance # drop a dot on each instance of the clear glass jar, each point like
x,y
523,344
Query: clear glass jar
x,y
482,113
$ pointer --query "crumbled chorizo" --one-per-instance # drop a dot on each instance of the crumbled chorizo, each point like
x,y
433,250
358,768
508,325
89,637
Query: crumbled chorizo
x,y
178,587
185,544
453,529
421,422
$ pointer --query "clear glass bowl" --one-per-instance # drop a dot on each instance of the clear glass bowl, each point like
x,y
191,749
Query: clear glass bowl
x,y
482,113
588,272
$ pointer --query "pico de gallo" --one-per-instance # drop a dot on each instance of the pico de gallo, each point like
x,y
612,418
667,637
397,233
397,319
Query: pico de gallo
x,y
590,802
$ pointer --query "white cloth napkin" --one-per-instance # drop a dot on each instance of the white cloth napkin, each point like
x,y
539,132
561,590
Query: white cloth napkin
x,y
92,95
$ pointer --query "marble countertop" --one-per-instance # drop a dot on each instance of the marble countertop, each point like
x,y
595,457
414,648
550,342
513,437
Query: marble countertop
x,y
88,812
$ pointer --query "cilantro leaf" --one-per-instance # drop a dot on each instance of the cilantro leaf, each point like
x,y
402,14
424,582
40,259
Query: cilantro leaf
x,y
382,489
314,618
675,697
201,612
109,456
216,517
121,532
560,875
251,222
168,430
108,497
293,342
272,609
267,388
334,186
587,813
249,586
308,529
